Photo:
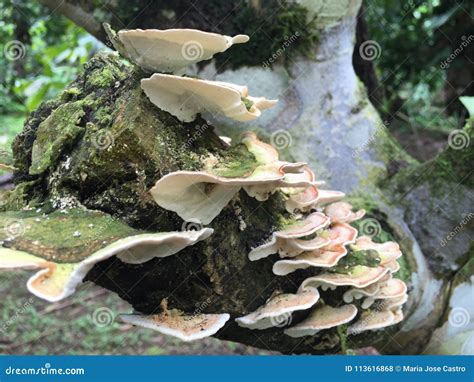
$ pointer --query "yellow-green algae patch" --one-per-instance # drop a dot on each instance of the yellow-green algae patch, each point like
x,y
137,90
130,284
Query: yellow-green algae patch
x,y
67,236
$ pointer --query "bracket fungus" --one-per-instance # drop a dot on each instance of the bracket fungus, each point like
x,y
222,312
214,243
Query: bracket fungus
x,y
373,320
286,241
314,226
320,318
175,323
203,194
278,309
86,238
185,97
341,212
359,276
170,50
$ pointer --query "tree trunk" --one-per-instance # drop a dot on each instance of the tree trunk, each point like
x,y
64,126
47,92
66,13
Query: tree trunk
x,y
324,117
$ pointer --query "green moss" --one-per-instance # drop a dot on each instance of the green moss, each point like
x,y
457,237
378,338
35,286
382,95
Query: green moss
x,y
237,162
54,134
105,77
248,104
66,236
369,258
341,331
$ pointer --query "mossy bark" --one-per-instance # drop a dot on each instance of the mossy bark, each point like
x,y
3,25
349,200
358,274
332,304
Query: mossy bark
x,y
114,175
122,144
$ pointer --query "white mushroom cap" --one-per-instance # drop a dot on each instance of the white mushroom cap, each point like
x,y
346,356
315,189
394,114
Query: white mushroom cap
x,y
390,289
56,281
277,310
310,198
200,195
393,266
321,318
341,234
372,320
308,226
185,97
173,49
359,276
358,293
392,303
323,257
341,212
175,324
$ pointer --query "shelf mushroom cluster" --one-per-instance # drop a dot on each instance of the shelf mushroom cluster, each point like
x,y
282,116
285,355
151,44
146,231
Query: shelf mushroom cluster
x,y
173,50
325,241
321,237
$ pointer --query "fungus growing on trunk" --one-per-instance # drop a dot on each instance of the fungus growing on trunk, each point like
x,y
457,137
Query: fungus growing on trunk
x,y
177,324
359,276
170,50
322,317
65,244
85,238
373,320
278,309
185,97
341,212
284,242
203,194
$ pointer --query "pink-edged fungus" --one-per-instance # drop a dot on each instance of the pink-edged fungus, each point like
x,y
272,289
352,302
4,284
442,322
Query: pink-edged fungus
x,y
358,293
341,212
310,198
392,303
323,257
372,320
359,276
393,265
282,305
185,97
321,318
390,289
170,50
175,323
279,239
341,234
